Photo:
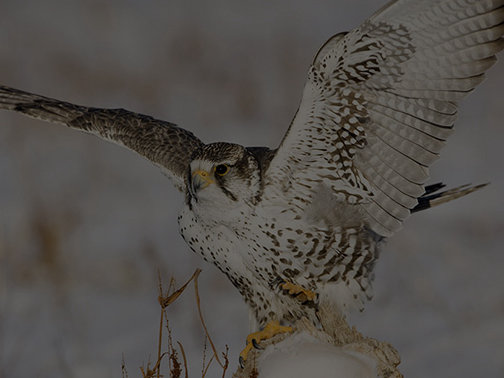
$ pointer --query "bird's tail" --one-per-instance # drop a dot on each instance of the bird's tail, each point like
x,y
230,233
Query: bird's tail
x,y
433,197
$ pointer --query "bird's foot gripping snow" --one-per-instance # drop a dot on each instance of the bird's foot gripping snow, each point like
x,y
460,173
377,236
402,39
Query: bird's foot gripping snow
x,y
272,329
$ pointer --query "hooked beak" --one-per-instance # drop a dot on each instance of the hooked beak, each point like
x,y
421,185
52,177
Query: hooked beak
x,y
200,180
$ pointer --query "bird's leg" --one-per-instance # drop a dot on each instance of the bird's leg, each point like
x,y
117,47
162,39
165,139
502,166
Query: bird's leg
x,y
300,293
273,328
304,296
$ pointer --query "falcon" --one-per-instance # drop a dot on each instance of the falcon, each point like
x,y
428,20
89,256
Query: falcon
x,y
302,224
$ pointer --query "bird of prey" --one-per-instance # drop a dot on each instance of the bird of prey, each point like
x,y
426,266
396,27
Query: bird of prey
x,y
302,224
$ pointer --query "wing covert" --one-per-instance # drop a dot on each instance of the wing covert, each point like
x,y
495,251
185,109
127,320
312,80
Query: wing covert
x,y
380,102
166,145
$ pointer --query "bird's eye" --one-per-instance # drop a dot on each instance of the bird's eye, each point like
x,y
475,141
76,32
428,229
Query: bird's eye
x,y
221,169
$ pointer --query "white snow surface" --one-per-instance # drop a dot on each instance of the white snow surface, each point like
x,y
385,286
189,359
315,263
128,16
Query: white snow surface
x,y
302,355
86,225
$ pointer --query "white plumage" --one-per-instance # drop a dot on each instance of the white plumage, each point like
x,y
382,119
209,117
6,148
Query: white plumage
x,y
377,107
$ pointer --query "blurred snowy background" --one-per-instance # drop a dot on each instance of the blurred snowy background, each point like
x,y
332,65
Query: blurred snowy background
x,y
85,225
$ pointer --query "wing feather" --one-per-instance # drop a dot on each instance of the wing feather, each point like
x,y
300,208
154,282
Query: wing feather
x,y
380,102
166,145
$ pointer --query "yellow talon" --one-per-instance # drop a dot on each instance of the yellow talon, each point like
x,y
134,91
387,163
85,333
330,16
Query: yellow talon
x,y
273,328
295,290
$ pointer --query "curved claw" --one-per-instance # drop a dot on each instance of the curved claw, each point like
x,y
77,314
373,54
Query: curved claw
x,y
272,328
242,362
277,282
256,344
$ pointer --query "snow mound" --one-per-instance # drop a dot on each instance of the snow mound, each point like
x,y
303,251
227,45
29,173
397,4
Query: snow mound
x,y
303,355
330,349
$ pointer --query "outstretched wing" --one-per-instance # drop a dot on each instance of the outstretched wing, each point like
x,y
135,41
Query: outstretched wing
x,y
163,143
380,102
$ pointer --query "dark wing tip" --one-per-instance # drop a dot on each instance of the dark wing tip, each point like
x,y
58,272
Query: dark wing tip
x,y
432,197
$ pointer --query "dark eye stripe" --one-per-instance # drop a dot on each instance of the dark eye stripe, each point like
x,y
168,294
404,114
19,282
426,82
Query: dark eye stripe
x,y
228,193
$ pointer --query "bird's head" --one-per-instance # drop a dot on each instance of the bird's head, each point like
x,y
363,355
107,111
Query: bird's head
x,y
223,175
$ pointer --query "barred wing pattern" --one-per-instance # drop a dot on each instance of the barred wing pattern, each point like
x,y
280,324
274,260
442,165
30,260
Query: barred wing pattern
x,y
161,142
380,102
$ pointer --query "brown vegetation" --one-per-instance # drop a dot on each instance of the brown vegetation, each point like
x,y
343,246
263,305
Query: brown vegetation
x,y
175,366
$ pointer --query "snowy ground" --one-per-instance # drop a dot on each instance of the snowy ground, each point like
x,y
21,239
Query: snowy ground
x,y
85,225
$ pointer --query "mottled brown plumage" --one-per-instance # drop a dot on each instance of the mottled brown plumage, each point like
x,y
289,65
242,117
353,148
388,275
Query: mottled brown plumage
x,y
163,143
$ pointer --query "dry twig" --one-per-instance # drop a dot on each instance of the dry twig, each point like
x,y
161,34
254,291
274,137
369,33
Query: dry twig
x,y
224,364
185,359
174,365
